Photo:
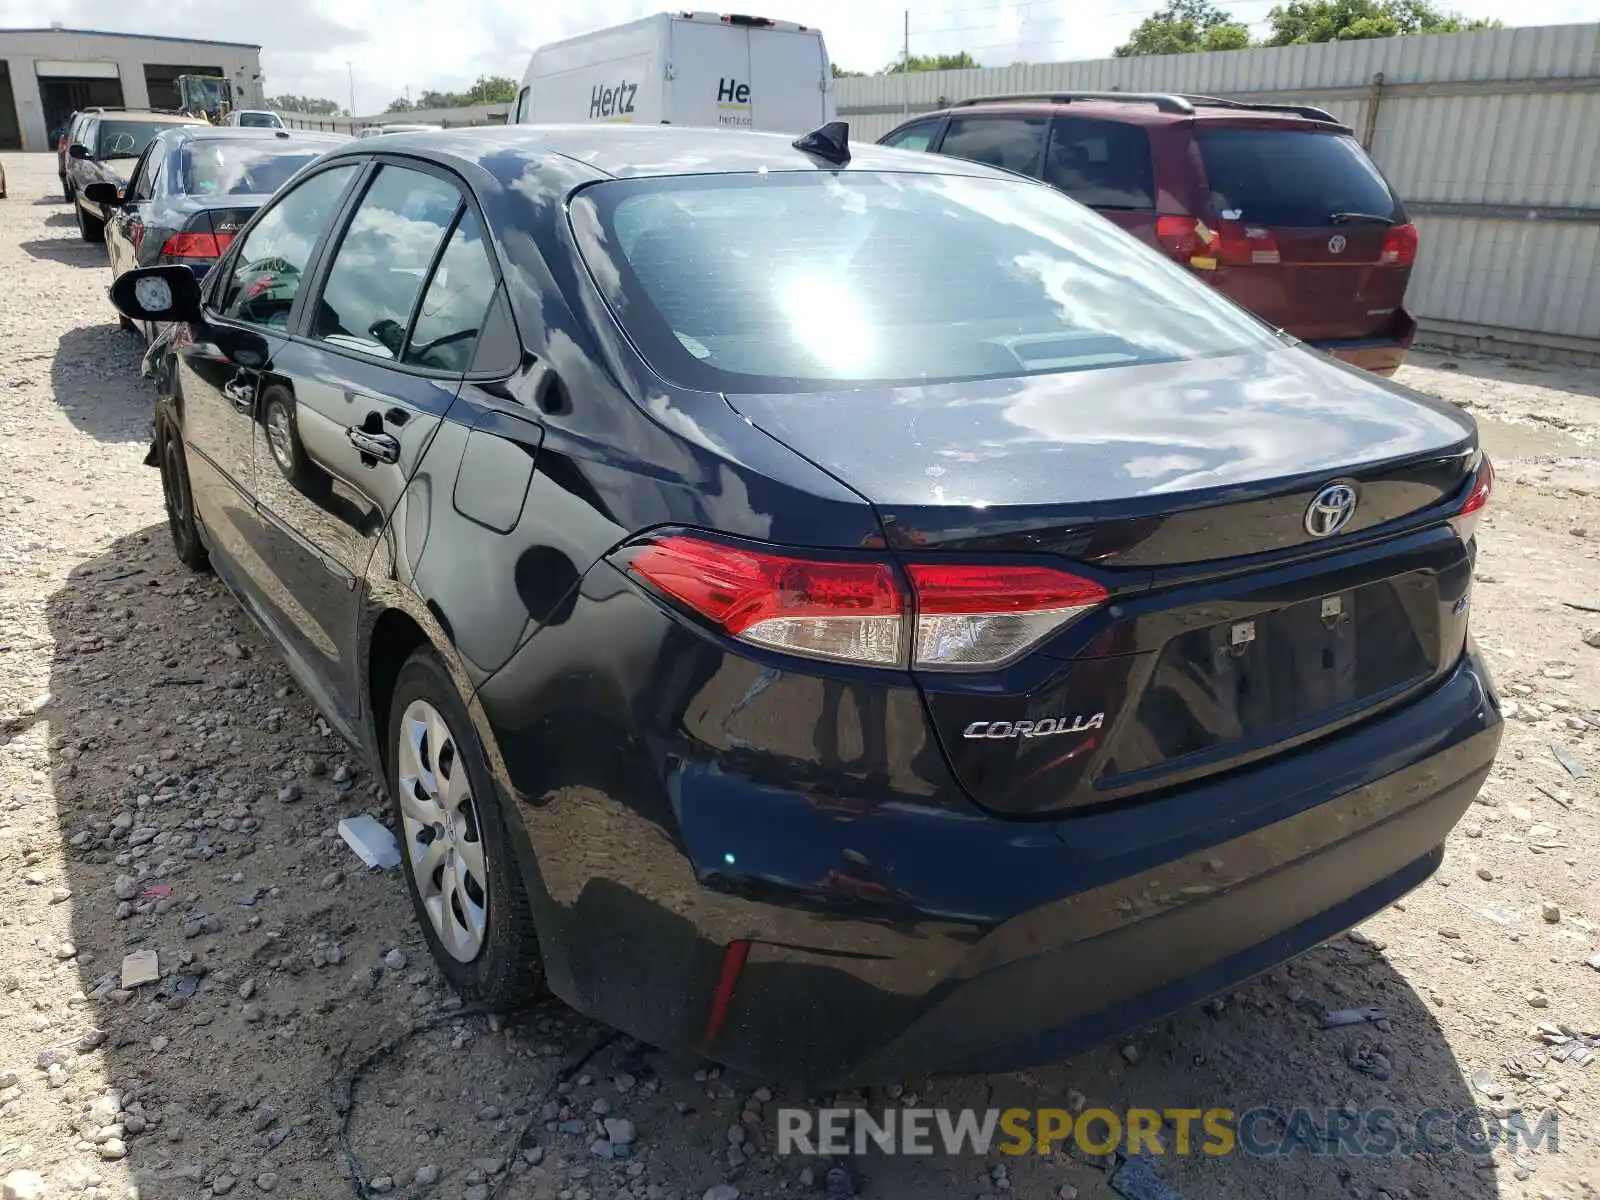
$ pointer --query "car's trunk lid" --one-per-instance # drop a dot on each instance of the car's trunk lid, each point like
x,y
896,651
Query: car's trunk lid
x,y
1231,629
1303,223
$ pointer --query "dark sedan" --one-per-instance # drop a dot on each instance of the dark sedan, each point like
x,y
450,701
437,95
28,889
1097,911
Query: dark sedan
x,y
847,615
194,188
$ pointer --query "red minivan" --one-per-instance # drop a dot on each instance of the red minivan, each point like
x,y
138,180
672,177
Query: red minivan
x,y
1277,206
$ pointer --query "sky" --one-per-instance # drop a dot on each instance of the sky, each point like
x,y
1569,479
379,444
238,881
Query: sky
x,y
391,45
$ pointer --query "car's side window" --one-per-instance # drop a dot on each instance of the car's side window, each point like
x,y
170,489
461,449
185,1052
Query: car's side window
x,y
270,265
453,308
1015,143
1104,164
914,137
88,134
140,183
383,259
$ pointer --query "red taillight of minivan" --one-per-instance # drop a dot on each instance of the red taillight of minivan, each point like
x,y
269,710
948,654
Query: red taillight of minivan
x,y
1188,240
955,616
1399,246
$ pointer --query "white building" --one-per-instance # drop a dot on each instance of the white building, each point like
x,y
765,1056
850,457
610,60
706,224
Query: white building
x,y
47,74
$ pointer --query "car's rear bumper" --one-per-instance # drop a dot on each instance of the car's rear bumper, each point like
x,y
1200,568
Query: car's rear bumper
x,y
1381,355
834,942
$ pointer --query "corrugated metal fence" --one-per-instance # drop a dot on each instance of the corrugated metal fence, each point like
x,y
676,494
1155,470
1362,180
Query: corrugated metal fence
x,y
1492,140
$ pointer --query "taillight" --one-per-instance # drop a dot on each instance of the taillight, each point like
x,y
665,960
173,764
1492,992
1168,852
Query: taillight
x,y
1240,244
850,611
196,245
971,616
1188,240
1465,522
1399,246
958,616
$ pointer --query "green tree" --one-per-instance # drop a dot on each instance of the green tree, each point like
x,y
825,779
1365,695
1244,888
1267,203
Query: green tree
x,y
840,73
1302,22
932,62
312,105
1184,27
491,89
399,104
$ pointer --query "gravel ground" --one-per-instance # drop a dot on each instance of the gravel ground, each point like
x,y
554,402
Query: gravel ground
x,y
164,786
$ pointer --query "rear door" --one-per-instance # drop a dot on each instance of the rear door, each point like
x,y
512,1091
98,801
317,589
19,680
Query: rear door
x,y
1107,166
709,81
788,80
1303,218
353,399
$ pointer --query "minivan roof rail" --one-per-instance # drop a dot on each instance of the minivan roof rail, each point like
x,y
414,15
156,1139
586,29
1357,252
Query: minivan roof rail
x,y
1164,101
1299,110
1167,102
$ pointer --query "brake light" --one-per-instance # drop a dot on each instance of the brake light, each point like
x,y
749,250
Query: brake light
x,y
196,245
1189,240
1243,245
1466,520
1399,246
847,611
957,616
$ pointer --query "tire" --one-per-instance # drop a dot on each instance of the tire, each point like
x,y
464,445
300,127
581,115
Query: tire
x,y
175,491
66,191
90,229
489,951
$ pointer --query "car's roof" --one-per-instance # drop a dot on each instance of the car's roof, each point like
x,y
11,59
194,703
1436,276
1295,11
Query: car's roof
x,y
236,133
654,151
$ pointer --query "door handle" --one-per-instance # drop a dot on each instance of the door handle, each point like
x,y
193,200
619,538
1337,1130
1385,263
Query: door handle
x,y
381,446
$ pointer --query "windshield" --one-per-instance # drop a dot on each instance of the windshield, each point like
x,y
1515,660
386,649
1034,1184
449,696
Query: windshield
x,y
217,167
801,281
258,120
1291,178
126,139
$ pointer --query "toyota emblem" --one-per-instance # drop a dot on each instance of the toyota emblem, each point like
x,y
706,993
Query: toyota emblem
x,y
1336,244
1330,509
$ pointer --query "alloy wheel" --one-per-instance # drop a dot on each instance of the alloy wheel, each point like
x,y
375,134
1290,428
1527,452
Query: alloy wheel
x,y
280,436
443,834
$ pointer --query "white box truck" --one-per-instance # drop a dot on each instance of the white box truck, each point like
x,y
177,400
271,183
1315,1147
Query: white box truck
x,y
687,68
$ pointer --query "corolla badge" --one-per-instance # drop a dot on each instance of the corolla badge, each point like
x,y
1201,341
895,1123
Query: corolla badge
x,y
1047,727
1330,509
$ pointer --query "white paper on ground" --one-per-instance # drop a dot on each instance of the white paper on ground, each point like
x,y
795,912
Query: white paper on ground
x,y
140,967
372,842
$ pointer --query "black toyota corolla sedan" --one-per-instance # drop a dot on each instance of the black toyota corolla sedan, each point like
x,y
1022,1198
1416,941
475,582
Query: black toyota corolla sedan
x,y
840,610
192,190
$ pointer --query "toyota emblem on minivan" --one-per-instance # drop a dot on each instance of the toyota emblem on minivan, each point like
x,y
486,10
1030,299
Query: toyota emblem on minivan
x,y
1336,244
1330,509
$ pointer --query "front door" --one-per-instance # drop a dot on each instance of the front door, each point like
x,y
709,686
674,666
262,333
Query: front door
x,y
221,357
352,402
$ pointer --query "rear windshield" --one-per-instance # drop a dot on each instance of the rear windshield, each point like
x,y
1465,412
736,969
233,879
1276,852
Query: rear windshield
x,y
126,139
258,120
802,281
1292,177
217,167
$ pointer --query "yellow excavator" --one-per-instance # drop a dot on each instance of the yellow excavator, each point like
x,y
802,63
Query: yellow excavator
x,y
208,97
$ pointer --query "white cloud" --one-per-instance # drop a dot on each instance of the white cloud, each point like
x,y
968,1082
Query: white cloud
x,y
430,44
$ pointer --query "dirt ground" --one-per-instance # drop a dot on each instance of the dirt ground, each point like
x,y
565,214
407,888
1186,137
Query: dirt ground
x,y
164,786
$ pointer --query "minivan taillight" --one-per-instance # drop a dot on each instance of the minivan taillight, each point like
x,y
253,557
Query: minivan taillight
x,y
1188,240
1466,520
1399,246
955,616
1240,244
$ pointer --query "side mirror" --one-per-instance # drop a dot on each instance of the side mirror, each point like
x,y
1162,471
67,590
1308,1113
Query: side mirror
x,y
78,150
103,193
157,294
